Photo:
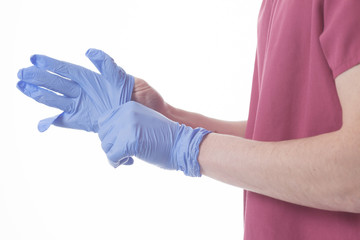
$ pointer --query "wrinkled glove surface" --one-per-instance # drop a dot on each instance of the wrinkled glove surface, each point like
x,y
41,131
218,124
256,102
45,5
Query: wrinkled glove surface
x,y
82,95
133,129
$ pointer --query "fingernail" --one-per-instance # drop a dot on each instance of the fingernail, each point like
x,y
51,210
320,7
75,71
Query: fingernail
x,y
20,74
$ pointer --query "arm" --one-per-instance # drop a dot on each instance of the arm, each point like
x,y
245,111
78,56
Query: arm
x,y
195,120
146,95
320,172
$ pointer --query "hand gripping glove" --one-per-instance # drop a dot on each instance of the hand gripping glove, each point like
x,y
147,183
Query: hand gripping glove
x,y
132,129
84,94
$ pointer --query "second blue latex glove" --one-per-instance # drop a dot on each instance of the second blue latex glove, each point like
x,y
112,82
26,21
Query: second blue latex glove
x,y
82,94
133,129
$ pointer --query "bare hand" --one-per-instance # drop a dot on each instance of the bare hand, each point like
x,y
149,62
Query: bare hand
x,y
146,95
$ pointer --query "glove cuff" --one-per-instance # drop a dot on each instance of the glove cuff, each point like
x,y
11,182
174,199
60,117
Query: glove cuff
x,y
187,149
128,89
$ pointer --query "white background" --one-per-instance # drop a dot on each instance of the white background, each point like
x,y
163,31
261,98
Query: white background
x,y
199,54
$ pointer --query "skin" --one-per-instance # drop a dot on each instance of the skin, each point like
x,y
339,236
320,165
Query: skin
x,y
143,93
320,172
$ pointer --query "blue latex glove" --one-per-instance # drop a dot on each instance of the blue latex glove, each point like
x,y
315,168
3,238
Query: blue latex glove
x,y
85,95
135,130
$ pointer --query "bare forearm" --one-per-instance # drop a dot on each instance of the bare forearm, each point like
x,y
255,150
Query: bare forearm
x,y
197,120
148,96
320,172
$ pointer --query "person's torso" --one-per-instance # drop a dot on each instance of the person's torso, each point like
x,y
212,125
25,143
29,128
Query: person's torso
x,y
293,96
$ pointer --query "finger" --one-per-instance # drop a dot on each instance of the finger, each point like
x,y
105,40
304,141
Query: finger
x,y
114,74
74,72
46,97
50,81
129,161
103,62
44,124
110,70
118,153
64,120
124,161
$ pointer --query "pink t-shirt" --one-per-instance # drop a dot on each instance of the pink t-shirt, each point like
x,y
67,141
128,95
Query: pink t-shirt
x,y
303,45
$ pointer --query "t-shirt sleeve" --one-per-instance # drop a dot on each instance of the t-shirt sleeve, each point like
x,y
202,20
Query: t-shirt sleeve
x,y
340,39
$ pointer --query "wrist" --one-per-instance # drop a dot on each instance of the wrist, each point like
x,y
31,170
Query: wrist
x,y
171,113
186,149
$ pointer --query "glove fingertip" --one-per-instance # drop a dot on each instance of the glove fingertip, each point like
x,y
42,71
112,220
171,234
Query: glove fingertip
x,y
43,126
88,52
124,161
21,86
91,52
33,59
20,74
38,61
26,88
129,161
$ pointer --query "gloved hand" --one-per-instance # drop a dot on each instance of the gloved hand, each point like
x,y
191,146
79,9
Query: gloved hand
x,y
133,129
86,95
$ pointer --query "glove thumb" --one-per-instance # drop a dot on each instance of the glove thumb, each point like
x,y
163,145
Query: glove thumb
x,y
103,62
